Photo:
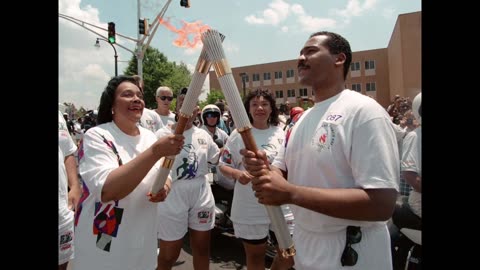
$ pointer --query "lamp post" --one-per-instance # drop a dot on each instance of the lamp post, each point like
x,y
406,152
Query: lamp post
x,y
243,74
97,44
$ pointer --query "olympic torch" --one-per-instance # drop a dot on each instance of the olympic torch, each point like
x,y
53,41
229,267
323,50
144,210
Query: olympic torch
x,y
212,42
186,111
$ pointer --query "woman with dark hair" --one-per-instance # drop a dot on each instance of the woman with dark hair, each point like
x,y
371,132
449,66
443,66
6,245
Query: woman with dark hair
x,y
118,163
250,219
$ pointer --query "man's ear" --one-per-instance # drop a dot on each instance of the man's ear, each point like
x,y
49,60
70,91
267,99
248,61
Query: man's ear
x,y
340,59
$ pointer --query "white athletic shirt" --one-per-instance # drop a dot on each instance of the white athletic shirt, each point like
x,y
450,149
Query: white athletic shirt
x,y
131,239
245,206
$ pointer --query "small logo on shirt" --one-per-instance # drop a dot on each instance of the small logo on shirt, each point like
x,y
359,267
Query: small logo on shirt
x,y
204,216
324,137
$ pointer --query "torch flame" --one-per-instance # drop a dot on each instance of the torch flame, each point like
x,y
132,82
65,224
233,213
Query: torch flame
x,y
195,29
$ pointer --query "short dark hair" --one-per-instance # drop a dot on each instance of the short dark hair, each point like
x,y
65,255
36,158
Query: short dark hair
x,y
108,97
337,44
260,92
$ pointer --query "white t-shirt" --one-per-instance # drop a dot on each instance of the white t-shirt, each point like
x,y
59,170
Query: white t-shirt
x,y
66,147
346,141
222,135
245,206
167,120
131,239
198,150
151,120
412,161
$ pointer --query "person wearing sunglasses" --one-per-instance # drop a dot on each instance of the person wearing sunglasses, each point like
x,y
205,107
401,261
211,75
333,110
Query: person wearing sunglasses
x,y
342,165
164,98
150,119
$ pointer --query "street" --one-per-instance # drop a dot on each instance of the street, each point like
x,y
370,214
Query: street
x,y
226,252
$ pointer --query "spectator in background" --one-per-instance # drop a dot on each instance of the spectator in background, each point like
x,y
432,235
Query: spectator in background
x,y
283,116
115,224
150,119
222,124
409,215
67,200
164,98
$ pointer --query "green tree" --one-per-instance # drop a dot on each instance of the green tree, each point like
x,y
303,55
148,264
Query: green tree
x,y
212,97
158,71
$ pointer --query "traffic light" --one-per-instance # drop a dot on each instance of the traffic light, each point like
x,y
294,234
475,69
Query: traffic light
x,y
111,32
143,26
185,3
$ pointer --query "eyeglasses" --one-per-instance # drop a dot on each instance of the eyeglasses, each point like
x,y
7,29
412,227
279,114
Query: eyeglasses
x,y
165,97
349,255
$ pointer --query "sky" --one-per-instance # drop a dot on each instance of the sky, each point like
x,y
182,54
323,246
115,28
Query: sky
x,y
257,31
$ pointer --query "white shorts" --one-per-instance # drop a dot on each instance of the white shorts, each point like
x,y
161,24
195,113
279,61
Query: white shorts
x,y
190,204
316,250
65,243
251,231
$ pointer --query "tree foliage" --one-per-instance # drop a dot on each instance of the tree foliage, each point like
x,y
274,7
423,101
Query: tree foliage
x,y
212,97
158,71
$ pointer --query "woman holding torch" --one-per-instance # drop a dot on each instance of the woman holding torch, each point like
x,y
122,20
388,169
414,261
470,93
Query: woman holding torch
x,y
118,162
251,222
190,204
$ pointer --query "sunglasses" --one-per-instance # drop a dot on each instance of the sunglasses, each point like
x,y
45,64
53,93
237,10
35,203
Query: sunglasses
x,y
165,97
349,255
211,115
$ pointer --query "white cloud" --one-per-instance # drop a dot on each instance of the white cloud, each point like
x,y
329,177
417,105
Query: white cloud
x,y
274,15
280,10
83,69
311,24
354,9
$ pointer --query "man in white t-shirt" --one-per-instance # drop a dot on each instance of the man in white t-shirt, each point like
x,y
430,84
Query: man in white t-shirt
x,y
343,168
164,97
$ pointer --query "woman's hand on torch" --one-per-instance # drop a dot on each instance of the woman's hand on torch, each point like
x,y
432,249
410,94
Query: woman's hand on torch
x,y
169,145
162,193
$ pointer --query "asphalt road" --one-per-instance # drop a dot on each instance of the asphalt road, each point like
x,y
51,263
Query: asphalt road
x,y
226,252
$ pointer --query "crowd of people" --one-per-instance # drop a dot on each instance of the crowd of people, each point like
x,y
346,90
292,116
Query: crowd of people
x,y
337,163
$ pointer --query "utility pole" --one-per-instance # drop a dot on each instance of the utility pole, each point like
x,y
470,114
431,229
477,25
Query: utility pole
x,y
140,51
139,46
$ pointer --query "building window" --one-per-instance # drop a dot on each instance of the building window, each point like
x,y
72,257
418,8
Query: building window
x,y
370,64
291,93
371,86
303,92
357,87
246,78
266,76
278,74
255,77
279,94
290,73
355,66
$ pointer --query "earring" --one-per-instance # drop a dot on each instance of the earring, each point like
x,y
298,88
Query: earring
x,y
113,112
